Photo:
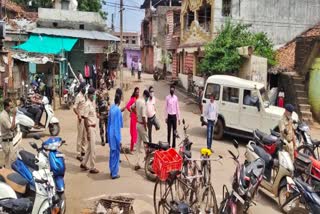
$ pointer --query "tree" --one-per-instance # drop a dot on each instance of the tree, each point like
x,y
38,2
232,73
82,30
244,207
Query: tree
x,y
92,6
221,54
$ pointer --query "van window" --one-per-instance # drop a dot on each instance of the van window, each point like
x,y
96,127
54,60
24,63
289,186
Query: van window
x,y
230,94
212,88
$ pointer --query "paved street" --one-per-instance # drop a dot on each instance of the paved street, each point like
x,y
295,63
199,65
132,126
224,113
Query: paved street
x,y
83,189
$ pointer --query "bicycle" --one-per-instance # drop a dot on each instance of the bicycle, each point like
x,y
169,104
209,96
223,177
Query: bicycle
x,y
166,195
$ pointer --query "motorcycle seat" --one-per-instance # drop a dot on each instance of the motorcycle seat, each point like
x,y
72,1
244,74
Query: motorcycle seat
x,y
29,159
315,163
269,139
260,134
14,180
263,155
19,205
274,133
164,145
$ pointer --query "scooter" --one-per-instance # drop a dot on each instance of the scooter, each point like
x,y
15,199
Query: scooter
x,y
276,170
246,181
26,122
39,198
53,160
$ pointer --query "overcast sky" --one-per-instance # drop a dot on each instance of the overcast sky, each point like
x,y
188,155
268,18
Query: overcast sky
x,y
132,14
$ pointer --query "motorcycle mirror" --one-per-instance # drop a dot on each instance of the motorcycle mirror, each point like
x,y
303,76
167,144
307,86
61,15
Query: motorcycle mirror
x,y
36,137
183,122
235,144
34,145
220,156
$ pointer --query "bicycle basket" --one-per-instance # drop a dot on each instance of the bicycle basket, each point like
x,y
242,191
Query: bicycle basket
x,y
165,162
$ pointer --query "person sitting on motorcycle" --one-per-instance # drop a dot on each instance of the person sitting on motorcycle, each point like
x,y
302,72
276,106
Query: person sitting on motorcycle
x,y
287,131
103,110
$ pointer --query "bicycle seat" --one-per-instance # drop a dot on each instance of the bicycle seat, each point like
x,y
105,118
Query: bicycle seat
x,y
187,154
205,152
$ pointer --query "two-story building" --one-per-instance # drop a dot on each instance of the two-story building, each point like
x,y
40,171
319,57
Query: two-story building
x,y
131,48
154,32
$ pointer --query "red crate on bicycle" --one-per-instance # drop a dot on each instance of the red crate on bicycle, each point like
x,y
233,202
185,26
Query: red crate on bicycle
x,y
165,162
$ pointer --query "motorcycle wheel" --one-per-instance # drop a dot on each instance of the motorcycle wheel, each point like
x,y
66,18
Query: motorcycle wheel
x,y
151,176
156,76
62,203
54,129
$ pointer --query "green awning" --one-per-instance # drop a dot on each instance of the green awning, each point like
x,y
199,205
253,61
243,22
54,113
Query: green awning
x,y
47,44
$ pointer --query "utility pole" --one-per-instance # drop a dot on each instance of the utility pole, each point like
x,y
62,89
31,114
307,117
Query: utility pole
x,y
121,43
112,22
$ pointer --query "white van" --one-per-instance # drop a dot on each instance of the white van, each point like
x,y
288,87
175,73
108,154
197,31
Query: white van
x,y
243,106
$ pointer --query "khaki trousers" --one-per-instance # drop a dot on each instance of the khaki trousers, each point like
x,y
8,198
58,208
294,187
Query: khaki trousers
x,y
91,149
289,148
142,137
81,138
7,148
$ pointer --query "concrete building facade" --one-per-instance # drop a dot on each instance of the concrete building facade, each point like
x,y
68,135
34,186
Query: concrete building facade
x,y
282,20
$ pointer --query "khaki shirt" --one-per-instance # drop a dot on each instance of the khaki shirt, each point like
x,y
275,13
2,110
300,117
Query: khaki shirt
x,y
103,94
141,109
80,103
90,112
286,124
5,125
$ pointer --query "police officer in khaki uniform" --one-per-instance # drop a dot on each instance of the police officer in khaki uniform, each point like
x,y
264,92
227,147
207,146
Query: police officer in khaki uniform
x,y
78,109
7,127
287,130
141,107
90,118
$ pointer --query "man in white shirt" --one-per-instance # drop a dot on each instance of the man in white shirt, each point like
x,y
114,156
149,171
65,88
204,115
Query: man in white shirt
x,y
210,112
151,113
139,69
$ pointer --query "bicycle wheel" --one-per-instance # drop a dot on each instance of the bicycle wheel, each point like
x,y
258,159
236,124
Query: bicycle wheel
x,y
304,149
160,197
208,201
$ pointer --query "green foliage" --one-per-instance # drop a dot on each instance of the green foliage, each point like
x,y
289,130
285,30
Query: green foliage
x,y
35,3
221,55
92,6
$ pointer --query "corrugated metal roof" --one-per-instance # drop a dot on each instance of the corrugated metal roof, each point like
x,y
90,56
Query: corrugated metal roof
x,y
83,34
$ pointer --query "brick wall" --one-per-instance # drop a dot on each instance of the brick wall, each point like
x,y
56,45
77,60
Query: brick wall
x,y
188,63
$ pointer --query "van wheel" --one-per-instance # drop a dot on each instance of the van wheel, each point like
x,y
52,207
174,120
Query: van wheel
x,y
218,130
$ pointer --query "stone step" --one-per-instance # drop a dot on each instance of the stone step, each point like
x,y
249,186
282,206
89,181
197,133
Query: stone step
x,y
299,87
298,80
302,100
302,93
306,116
305,107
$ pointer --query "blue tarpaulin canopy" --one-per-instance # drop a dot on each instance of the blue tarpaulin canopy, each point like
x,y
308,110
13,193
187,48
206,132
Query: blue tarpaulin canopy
x,y
47,44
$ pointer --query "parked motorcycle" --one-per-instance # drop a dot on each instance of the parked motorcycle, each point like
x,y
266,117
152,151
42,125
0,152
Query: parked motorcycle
x,y
158,74
271,143
51,160
246,181
150,149
276,170
24,119
18,195
69,93
302,191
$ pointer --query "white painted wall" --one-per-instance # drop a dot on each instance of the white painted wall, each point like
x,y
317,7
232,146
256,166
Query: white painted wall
x,y
282,20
